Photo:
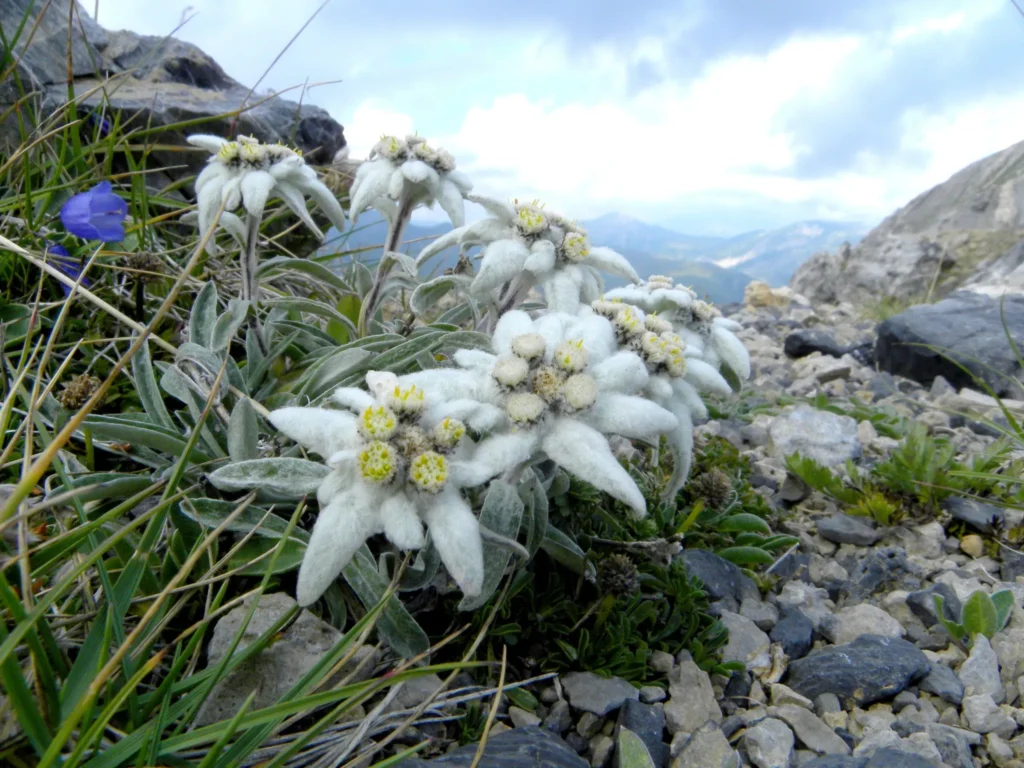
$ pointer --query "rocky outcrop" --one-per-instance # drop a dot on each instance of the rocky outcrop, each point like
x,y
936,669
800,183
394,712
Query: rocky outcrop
x,y
935,244
1004,274
147,82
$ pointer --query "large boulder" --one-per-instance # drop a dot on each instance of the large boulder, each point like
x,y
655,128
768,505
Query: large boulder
x,y
965,329
153,82
931,246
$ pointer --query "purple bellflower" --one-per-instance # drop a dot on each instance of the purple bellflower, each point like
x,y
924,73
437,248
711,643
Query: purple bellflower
x,y
95,215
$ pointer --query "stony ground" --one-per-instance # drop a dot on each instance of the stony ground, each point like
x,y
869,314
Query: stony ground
x,y
847,665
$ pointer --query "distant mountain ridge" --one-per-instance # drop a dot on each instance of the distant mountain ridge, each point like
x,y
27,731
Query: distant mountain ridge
x,y
718,267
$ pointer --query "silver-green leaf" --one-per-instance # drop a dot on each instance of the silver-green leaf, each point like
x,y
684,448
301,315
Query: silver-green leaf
x,y
286,476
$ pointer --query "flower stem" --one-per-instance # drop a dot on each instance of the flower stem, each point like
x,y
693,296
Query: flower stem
x,y
250,290
392,243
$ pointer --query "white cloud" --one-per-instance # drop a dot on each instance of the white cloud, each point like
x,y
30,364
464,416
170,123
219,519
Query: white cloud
x,y
371,119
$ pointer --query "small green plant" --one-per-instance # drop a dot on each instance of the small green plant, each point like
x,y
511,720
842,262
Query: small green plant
x,y
980,615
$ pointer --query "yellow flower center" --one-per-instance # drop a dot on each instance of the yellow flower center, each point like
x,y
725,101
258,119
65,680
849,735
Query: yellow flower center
x,y
429,471
576,246
377,423
449,432
408,400
377,462
571,356
524,407
580,391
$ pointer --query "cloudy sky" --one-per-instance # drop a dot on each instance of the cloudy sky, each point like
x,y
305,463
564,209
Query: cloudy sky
x,y
707,116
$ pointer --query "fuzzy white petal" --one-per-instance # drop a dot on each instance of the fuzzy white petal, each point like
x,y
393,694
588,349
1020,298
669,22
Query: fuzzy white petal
x,y
401,522
381,382
396,183
670,297
561,292
474,359
340,530
317,429
502,209
292,169
727,323
441,384
325,200
502,260
208,203
687,394
629,416
460,180
296,203
494,456
455,532
449,197
447,240
255,189
611,262
598,336
731,351
694,342
630,295
680,442
622,372
593,285
370,182
231,192
552,328
513,323
353,398
542,258
212,172
483,417
659,388
419,172
584,452
210,143
234,227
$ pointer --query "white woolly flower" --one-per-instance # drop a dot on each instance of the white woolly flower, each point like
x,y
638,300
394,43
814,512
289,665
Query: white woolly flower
x,y
524,242
247,173
413,170
579,390
389,475
511,371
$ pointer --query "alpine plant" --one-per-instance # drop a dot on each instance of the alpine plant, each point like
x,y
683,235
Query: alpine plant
x,y
523,245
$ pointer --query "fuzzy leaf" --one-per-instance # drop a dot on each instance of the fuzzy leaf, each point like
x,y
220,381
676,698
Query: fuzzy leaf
x,y
311,307
395,624
210,513
632,752
314,269
227,325
131,429
337,366
1003,600
955,630
243,432
979,615
149,391
535,510
744,522
428,294
204,316
501,513
567,552
746,555
254,555
104,485
287,476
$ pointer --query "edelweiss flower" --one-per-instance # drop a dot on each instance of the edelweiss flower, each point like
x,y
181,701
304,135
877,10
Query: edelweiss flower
x,y
560,384
391,474
411,168
524,239
700,324
246,172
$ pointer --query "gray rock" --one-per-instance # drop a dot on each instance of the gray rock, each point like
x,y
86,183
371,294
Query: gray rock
x,y
746,642
883,568
692,700
836,761
942,681
922,603
954,744
707,748
984,716
982,517
522,718
980,672
795,633
827,703
826,437
648,723
528,747
812,601
769,744
277,667
894,758
559,718
847,529
968,329
601,749
811,731
869,669
593,693
652,694
763,614
721,579
805,341
1012,566
864,619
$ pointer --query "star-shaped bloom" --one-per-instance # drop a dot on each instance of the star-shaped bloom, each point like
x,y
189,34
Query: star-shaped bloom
x,y
391,473
247,173
700,324
558,386
413,169
525,241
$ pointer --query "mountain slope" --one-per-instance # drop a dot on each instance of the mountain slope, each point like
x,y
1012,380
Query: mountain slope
x,y
933,244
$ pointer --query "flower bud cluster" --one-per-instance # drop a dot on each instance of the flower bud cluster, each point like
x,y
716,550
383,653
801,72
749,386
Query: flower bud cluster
x,y
533,386
399,449
398,150
248,153
650,336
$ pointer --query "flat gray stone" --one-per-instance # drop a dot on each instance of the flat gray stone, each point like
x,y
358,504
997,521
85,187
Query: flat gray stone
x,y
600,695
529,747
826,437
812,732
847,529
707,748
769,744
